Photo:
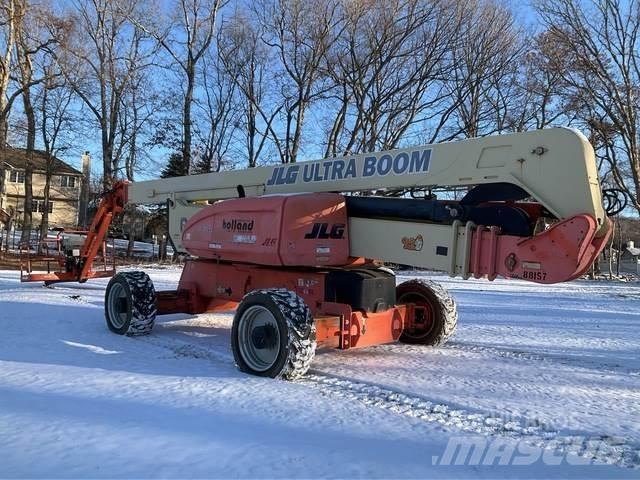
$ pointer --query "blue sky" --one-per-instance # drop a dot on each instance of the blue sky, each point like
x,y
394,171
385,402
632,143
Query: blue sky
x,y
89,139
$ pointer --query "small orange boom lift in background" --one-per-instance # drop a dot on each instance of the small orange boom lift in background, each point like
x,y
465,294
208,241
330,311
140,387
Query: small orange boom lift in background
x,y
301,262
77,251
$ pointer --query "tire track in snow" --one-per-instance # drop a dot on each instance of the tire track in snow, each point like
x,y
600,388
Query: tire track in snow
x,y
579,362
607,450
184,348
402,402
523,355
610,450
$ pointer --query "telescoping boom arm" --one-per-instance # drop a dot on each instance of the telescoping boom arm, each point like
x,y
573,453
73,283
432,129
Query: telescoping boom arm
x,y
556,167
489,232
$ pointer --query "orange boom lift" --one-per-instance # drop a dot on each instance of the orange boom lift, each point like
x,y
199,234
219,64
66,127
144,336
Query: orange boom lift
x,y
301,264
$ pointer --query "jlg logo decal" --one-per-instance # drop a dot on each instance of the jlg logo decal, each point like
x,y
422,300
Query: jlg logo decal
x,y
323,232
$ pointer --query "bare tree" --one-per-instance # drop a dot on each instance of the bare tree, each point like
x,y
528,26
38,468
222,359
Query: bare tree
x,y
388,67
25,63
601,72
246,61
300,33
221,111
56,121
186,38
10,17
33,41
138,108
100,62
485,60
539,101
140,105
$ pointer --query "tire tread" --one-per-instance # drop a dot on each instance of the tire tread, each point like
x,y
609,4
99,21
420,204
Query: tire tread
x,y
447,307
301,342
143,302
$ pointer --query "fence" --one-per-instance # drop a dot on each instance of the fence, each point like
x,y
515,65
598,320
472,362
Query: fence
x,y
10,242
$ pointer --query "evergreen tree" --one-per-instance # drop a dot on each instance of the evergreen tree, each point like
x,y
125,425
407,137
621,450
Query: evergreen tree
x,y
175,167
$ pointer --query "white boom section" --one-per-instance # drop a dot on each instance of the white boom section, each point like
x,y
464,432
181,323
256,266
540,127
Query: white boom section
x,y
556,166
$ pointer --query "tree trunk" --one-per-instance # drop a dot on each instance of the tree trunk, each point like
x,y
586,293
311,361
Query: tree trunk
x,y
9,224
186,118
107,156
131,242
133,142
297,135
3,141
27,216
131,223
27,219
251,134
44,225
6,62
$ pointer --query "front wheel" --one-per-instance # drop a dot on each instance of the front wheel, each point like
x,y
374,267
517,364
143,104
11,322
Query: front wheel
x,y
436,316
273,334
130,304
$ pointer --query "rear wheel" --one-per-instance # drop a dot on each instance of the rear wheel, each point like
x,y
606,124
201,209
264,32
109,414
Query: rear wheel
x,y
273,334
436,316
130,304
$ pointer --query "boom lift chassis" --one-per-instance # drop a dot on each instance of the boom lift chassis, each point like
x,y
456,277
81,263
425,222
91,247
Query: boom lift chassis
x,y
301,263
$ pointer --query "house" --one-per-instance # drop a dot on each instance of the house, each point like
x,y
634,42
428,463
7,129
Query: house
x,y
630,259
64,193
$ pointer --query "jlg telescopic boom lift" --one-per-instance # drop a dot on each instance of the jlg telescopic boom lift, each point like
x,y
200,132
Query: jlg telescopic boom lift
x,y
298,257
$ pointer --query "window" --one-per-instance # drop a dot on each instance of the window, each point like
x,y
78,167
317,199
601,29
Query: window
x,y
16,176
67,181
38,206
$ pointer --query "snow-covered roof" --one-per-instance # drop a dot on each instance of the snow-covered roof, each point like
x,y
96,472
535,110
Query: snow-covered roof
x,y
633,251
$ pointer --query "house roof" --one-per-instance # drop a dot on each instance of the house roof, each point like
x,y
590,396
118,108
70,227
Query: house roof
x,y
17,158
633,251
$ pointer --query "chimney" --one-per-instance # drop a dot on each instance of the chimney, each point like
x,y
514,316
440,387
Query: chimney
x,y
84,190
630,244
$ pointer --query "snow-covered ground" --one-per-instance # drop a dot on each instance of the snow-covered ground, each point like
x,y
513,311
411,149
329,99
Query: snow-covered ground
x,y
533,374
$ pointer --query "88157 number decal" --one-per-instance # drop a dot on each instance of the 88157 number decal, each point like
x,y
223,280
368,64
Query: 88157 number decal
x,y
531,275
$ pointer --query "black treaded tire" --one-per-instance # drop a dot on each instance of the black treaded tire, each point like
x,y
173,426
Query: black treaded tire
x,y
130,304
296,332
442,312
